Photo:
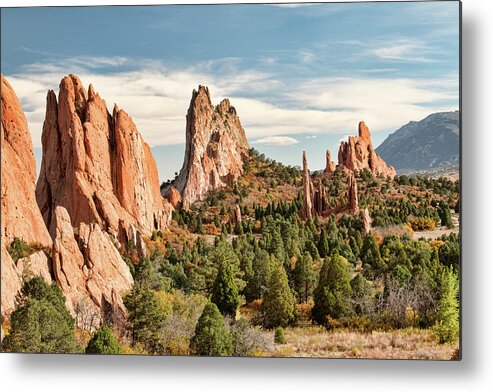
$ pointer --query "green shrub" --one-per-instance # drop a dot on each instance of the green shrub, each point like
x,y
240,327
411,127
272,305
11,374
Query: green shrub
x,y
103,342
211,336
447,327
279,337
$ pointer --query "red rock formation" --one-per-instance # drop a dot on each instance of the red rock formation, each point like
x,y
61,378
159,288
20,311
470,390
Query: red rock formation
x,y
89,268
173,197
307,207
20,213
237,214
37,264
366,222
357,154
11,283
216,147
352,193
97,165
330,165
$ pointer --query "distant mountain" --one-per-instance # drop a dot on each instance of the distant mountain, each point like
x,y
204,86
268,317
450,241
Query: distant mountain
x,y
429,143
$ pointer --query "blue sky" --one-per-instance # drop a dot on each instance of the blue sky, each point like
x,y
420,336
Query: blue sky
x,y
301,77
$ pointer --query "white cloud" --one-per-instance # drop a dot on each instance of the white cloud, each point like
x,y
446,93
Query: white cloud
x,y
276,141
404,50
310,137
157,98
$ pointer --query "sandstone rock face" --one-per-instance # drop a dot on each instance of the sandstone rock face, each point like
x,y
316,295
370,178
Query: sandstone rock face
x,y
367,221
352,193
237,214
173,197
330,165
20,213
90,267
307,206
96,165
37,264
10,281
216,147
358,153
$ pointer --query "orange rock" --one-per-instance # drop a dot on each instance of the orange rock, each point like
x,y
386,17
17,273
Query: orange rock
x,y
358,154
173,197
330,165
216,147
37,264
97,165
10,281
91,268
307,206
366,222
20,213
352,193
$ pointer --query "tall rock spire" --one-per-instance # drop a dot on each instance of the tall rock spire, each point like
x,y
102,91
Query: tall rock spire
x,y
97,165
352,193
330,165
307,207
216,147
358,154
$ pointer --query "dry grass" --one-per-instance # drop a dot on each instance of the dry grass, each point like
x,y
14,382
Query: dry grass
x,y
315,341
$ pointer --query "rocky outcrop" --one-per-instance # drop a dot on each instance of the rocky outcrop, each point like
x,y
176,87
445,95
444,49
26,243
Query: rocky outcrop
x,y
237,214
97,165
90,268
352,194
173,197
216,147
307,206
10,281
36,264
20,213
330,165
367,221
358,154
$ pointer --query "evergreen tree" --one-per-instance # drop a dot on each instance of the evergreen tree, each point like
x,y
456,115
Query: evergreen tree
x,y
304,277
279,304
444,213
447,326
145,317
103,342
361,294
333,293
211,336
41,324
225,292
323,244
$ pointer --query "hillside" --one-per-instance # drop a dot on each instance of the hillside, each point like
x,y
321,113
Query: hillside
x,y
427,144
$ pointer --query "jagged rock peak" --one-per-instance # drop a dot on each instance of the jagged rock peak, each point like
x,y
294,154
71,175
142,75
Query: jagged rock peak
x,y
358,154
21,216
352,192
307,206
216,147
330,165
97,165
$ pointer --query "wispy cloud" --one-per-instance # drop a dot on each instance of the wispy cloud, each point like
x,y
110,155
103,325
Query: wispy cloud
x,y
276,141
157,97
404,50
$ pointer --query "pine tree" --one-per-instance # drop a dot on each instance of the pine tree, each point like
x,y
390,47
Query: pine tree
x,y
103,342
211,336
304,277
333,293
225,292
447,326
323,244
41,324
279,304
145,317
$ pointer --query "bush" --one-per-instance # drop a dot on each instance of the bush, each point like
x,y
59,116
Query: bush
x,y
103,342
279,337
211,337
421,224
41,324
447,326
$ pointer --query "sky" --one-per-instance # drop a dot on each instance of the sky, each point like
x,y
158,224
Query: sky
x,y
301,76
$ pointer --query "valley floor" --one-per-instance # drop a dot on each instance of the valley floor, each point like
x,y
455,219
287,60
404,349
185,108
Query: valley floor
x,y
314,341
